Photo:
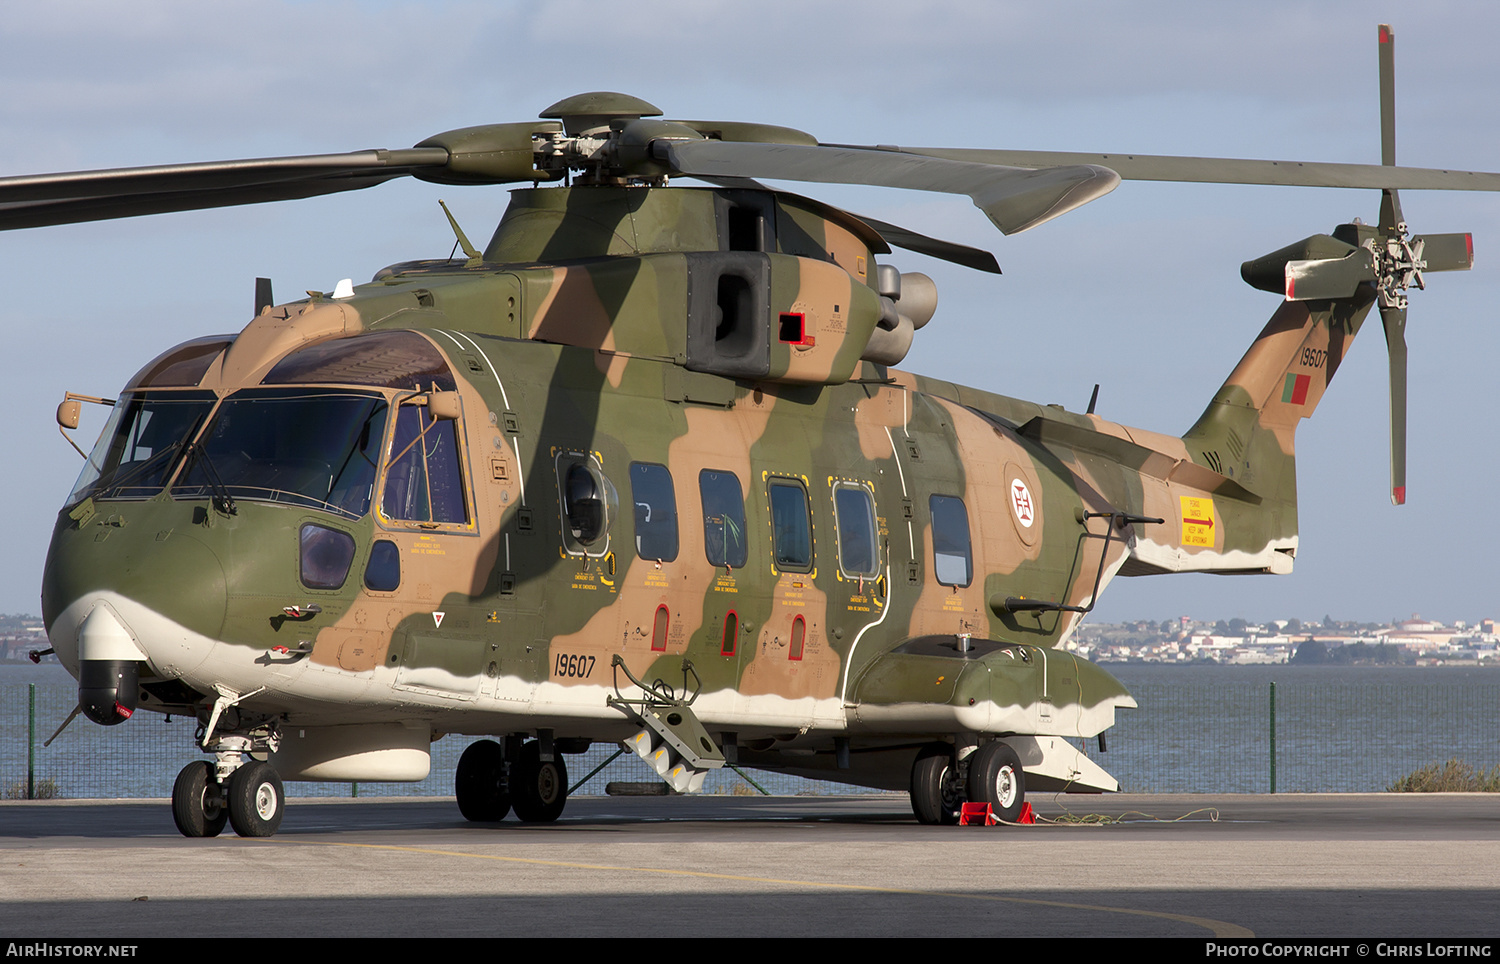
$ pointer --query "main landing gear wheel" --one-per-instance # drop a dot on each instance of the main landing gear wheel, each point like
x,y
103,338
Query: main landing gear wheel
x,y
198,801
937,793
481,783
256,800
538,790
996,778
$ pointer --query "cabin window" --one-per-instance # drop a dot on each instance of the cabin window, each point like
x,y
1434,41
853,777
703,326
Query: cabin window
x,y
325,557
424,481
587,503
584,504
952,560
791,528
723,518
383,572
655,500
854,517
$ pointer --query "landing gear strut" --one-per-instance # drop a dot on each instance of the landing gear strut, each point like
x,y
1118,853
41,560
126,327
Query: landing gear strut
x,y
992,774
235,788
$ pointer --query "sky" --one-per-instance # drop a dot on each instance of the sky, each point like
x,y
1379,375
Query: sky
x,y
1138,291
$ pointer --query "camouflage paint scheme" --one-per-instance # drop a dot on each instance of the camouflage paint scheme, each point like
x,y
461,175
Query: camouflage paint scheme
x,y
591,333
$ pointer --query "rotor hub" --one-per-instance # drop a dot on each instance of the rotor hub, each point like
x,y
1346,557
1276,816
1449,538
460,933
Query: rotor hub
x,y
1398,266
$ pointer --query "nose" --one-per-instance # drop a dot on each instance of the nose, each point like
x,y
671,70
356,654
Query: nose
x,y
123,609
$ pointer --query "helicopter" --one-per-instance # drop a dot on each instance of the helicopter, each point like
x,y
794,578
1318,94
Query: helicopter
x,y
644,470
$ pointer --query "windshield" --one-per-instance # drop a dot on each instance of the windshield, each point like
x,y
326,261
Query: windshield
x,y
138,448
305,447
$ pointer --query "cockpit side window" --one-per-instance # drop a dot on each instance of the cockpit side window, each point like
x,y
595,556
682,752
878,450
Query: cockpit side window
x,y
424,481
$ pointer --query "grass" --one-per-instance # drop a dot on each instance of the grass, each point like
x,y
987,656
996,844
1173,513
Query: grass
x,y
1455,776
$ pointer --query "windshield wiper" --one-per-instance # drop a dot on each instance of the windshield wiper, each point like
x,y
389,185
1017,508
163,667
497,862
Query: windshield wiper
x,y
220,496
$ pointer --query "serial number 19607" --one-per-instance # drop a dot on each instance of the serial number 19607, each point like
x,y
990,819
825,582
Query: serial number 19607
x,y
576,665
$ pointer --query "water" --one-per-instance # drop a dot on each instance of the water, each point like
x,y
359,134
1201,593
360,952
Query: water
x,y
1207,728
1198,729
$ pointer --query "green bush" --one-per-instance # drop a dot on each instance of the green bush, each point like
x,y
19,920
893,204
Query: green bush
x,y
1455,776
44,789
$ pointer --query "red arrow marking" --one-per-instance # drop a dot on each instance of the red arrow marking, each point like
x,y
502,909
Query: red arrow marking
x,y
1198,522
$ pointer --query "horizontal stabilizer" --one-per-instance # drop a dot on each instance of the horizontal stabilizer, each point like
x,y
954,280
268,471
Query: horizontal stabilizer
x,y
1328,278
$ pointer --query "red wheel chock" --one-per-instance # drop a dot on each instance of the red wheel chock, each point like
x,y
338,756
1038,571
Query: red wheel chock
x,y
983,815
977,815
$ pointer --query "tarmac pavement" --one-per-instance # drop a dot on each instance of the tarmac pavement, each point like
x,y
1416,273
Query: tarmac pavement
x,y
1363,866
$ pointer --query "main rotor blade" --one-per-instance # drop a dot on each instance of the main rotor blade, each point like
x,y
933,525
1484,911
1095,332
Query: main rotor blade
x,y
950,251
1394,321
41,199
895,234
1014,198
1224,170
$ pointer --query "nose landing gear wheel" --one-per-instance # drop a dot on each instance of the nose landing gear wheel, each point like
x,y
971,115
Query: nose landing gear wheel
x,y
481,783
198,801
538,790
256,800
996,778
937,793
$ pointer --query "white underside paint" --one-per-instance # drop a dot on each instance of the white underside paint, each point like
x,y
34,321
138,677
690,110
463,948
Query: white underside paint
x,y
1039,719
1057,758
313,694
103,636
364,752
1276,557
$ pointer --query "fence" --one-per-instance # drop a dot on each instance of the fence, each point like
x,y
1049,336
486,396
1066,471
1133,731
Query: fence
x,y
1205,730
1360,732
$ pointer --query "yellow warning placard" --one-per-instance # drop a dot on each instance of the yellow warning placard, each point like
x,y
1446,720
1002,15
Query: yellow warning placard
x,y
1197,521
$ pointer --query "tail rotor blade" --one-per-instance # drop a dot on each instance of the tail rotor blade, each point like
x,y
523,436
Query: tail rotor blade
x,y
1394,320
1392,289
1446,252
1390,213
1387,95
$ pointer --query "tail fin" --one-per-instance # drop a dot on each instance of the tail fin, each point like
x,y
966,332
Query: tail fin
x,y
1248,431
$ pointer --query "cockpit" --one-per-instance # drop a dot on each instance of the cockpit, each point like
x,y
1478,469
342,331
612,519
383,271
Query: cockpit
x,y
316,432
